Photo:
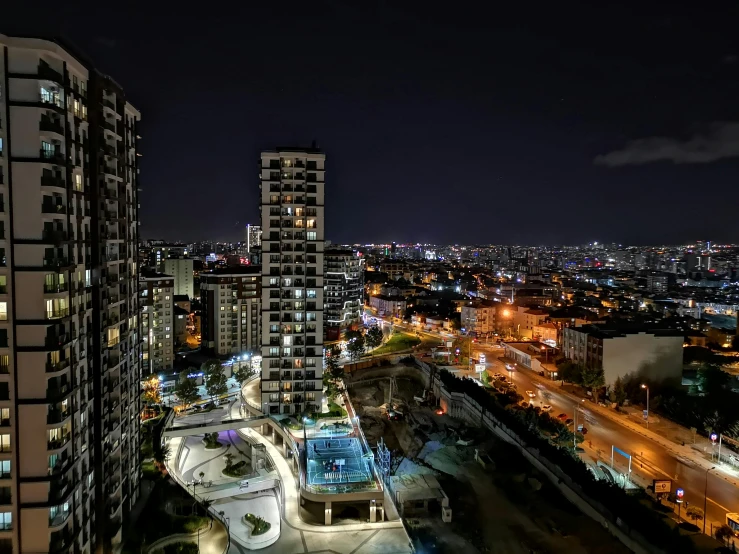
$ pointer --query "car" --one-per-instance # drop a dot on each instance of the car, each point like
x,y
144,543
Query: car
x,y
502,378
569,421
546,408
209,406
512,386
531,393
582,429
562,417
223,401
497,375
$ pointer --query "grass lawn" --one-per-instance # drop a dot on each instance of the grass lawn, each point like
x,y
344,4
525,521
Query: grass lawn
x,y
398,341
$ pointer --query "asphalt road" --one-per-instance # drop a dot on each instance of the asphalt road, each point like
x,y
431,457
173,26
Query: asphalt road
x,y
650,459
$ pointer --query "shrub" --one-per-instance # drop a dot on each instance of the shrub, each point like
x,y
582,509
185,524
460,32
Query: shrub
x,y
260,526
211,441
178,548
239,469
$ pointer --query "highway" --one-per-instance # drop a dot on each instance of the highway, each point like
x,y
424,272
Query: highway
x,y
651,460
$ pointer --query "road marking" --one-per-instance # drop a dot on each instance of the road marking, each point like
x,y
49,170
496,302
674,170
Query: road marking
x,y
712,501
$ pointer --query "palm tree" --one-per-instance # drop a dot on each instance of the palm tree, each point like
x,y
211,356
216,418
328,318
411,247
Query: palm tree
x,y
162,455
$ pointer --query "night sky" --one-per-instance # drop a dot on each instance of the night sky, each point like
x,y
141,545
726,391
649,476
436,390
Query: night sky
x,y
442,122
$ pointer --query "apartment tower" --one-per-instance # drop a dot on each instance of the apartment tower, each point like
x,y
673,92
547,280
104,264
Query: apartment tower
x,y
69,327
292,187
343,292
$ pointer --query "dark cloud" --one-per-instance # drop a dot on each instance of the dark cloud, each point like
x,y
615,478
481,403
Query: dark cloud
x,y
721,141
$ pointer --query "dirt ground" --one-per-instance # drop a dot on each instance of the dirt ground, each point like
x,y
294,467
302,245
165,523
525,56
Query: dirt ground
x,y
508,508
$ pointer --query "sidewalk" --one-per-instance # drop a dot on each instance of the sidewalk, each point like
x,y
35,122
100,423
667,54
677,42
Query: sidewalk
x,y
677,450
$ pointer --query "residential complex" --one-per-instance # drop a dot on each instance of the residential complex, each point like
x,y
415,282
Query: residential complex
x,y
231,320
157,322
69,332
181,269
292,195
343,290
253,237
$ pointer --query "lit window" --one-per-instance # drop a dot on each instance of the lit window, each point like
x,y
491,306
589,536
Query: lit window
x,y
6,521
3,311
4,443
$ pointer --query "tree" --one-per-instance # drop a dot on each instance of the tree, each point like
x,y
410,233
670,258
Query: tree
x,y
485,378
152,391
333,373
187,389
215,379
618,394
373,337
712,380
228,458
593,378
695,513
162,455
570,372
724,533
243,372
355,344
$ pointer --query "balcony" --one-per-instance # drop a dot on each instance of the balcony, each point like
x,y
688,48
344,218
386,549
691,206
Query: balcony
x,y
49,208
52,288
52,156
57,313
61,365
51,125
56,444
55,237
46,72
57,394
57,416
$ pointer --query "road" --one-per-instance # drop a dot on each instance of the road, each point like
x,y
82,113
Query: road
x,y
650,459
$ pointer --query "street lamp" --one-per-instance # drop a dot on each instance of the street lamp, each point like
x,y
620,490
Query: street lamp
x,y
705,499
647,388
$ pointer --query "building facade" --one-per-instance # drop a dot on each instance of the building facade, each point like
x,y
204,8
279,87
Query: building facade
x,y
181,269
342,292
292,208
157,322
655,354
478,318
253,237
232,310
69,331
388,305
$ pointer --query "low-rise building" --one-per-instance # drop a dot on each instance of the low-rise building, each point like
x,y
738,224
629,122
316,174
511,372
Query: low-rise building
x,y
525,319
655,354
546,332
388,305
478,318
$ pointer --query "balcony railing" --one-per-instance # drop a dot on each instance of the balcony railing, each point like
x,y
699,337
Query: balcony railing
x,y
55,444
57,366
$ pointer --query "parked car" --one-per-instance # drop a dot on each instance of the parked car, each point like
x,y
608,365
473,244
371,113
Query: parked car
x,y
562,417
582,429
569,421
546,408
223,401
530,393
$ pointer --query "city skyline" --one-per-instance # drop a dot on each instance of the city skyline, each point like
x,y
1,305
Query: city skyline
x,y
478,126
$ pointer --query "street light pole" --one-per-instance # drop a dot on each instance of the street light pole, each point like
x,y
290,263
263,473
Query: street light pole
x,y
705,499
647,387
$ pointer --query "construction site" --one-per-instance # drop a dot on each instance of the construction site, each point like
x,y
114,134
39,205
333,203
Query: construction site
x,y
459,488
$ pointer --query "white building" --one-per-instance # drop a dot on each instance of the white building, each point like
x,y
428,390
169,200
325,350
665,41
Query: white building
x,y
292,194
388,305
253,237
343,291
655,354
69,325
232,310
157,322
181,269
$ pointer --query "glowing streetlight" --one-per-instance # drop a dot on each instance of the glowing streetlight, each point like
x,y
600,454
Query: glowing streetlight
x,y
647,389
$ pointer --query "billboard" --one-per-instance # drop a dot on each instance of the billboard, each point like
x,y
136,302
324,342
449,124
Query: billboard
x,y
662,486
479,368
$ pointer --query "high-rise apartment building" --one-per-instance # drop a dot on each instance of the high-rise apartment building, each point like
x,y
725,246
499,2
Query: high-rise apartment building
x,y
181,269
231,320
253,237
69,326
157,322
342,292
292,189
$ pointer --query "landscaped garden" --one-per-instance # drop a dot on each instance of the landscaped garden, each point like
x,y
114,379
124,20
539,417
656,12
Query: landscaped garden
x,y
258,524
178,548
397,342
235,469
211,441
